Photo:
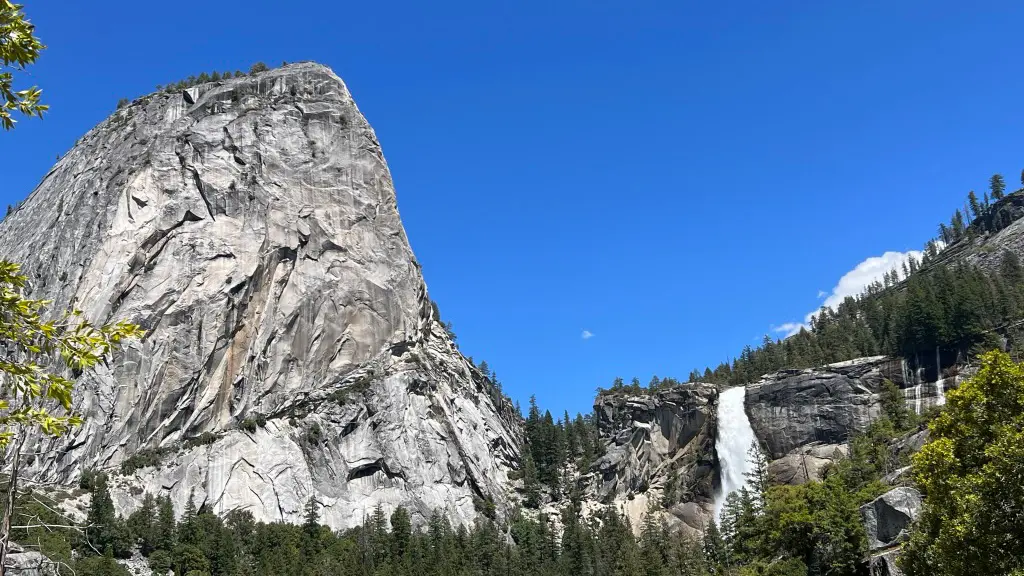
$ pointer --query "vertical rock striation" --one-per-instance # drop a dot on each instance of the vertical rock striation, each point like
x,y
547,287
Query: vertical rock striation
x,y
658,443
251,227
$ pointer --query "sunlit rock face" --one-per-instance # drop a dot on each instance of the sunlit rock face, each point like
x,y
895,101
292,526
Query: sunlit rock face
x,y
251,228
653,443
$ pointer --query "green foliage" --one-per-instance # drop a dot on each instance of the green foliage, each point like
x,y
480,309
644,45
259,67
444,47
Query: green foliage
x,y
258,67
144,458
37,352
972,474
18,49
782,567
100,566
160,562
997,185
204,439
253,422
105,532
122,103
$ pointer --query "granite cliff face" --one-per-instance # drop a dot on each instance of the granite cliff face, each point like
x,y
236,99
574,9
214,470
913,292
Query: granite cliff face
x,y
251,227
793,409
658,443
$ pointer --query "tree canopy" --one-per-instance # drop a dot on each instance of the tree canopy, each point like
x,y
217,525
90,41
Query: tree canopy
x,y
19,48
972,475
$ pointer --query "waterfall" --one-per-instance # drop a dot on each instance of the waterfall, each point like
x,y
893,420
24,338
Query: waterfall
x,y
915,379
734,439
940,382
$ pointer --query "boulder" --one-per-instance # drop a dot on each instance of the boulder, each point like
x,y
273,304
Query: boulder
x,y
805,464
22,562
888,517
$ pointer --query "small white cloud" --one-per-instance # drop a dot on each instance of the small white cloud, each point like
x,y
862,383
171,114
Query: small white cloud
x,y
788,329
853,283
587,335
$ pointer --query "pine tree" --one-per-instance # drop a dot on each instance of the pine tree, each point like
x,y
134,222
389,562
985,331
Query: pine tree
x,y
311,516
997,186
401,534
715,552
758,477
531,485
958,225
944,234
105,531
972,200
143,525
165,524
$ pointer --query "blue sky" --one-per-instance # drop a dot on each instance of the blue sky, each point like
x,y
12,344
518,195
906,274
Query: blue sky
x,y
674,178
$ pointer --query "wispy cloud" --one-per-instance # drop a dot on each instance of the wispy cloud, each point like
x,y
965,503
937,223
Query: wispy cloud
x,y
788,328
851,284
587,335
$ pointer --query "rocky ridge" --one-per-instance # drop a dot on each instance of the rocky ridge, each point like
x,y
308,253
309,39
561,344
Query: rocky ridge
x,y
250,226
655,443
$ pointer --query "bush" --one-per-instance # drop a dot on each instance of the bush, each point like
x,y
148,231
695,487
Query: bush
x,y
144,458
100,566
160,562
315,434
258,67
91,478
253,422
202,440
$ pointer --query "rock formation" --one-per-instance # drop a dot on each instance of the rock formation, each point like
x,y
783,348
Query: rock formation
x,y
888,517
657,443
251,227
887,520
22,562
806,463
793,409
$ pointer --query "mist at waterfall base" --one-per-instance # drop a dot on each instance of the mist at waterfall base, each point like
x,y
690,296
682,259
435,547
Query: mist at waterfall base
x,y
735,436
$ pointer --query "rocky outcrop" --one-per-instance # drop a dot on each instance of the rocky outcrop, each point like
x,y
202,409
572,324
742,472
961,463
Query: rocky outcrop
x,y
806,463
887,518
251,228
791,409
884,564
653,444
22,562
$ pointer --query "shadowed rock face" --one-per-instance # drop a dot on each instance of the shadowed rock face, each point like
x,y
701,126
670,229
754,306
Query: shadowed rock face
x,y
652,440
251,227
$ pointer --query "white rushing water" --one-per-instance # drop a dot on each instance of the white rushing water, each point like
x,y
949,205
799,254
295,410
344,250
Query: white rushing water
x,y
733,445
940,382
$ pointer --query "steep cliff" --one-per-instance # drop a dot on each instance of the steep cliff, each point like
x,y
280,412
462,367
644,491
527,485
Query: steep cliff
x,y
251,227
655,446
804,418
